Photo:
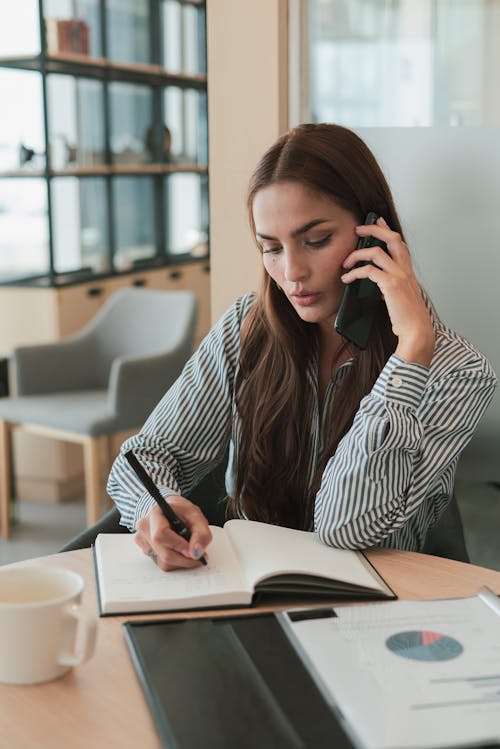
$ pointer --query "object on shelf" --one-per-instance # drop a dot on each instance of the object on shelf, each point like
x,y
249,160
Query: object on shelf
x,y
67,35
198,242
71,151
28,156
165,141
129,156
25,154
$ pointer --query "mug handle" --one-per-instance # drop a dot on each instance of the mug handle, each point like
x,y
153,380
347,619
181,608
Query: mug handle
x,y
85,639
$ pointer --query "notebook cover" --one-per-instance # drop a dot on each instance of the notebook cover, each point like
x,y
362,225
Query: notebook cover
x,y
230,682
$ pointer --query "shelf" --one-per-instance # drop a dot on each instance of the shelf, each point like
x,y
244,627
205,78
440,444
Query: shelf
x,y
99,67
116,169
23,173
158,169
81,276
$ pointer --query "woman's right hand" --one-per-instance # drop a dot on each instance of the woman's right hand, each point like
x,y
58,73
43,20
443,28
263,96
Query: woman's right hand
x,y
169,550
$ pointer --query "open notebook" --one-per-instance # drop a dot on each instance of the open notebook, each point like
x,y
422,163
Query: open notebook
x,y
246,559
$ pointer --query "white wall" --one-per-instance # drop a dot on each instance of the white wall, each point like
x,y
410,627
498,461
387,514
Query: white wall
x,y
446,184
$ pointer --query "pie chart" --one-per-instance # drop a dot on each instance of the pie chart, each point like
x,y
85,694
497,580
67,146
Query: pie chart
x,y
422,645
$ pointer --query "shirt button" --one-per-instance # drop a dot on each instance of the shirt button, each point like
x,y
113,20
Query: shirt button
x,y
396,382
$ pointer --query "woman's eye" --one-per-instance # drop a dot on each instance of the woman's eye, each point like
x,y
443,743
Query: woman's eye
x,y
318,242
270,250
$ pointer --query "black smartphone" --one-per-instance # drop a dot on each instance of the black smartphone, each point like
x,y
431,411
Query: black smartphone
x,y
361,301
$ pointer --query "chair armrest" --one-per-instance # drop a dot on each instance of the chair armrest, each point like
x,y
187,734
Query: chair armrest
x,y
137,383
54,367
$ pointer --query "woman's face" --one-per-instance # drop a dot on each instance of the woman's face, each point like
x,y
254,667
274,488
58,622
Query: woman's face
x,y
304,239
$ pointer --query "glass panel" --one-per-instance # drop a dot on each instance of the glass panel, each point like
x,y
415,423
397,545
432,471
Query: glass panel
x,y
186,118
191,43
20,29
76,128
184,32
187,214
131,123
466,62
412,63
202,39
196,142
80,224
73,26
24,230
128,31
134,221
172,36
22,143
174,117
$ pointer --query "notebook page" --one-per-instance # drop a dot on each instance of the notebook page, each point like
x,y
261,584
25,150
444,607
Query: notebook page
x,y
266,550
131,581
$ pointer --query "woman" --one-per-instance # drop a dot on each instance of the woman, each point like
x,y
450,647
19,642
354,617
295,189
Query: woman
x,y
361,446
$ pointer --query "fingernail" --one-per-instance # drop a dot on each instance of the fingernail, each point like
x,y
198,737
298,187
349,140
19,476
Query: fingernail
x,y
343,276
197,552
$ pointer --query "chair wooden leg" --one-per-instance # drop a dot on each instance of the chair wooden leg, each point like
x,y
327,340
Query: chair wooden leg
x,y
91,459
5,477
110,456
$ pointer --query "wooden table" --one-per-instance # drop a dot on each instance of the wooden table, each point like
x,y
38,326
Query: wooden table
x,y
100,704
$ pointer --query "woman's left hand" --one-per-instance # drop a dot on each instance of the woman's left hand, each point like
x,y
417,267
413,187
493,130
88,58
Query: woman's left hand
x,y
393,273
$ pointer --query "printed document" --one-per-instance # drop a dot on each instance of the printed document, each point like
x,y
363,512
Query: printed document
x,y
408,674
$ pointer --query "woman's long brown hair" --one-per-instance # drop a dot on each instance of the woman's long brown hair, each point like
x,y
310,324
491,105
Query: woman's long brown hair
x,y
274,450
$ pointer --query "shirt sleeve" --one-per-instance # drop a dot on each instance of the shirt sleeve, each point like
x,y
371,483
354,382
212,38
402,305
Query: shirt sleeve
x,y
408,432
187,433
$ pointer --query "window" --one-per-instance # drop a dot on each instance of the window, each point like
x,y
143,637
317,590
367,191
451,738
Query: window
x,y
120,176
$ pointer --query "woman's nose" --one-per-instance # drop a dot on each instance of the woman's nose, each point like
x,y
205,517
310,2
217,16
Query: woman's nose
x,y
295,267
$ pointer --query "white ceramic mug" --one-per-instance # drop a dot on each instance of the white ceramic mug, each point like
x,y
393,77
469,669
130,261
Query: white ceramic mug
x,y
43,629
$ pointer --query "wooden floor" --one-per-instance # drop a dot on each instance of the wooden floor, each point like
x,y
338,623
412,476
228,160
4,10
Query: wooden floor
x,y
44,528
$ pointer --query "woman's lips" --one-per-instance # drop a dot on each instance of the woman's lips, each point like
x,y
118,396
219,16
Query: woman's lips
x,y
305,299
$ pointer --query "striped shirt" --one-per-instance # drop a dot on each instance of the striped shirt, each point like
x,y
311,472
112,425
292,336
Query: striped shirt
x,y
392,474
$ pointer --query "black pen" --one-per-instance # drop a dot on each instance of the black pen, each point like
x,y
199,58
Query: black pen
x,y
175,522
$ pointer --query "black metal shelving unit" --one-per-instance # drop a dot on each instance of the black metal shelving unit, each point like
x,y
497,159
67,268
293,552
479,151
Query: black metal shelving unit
x,y
155,165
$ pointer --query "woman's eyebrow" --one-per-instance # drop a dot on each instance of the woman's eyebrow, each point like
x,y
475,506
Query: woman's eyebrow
x,y
299,231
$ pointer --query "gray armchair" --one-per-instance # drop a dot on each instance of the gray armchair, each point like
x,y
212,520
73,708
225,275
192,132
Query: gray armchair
x,y
105,379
